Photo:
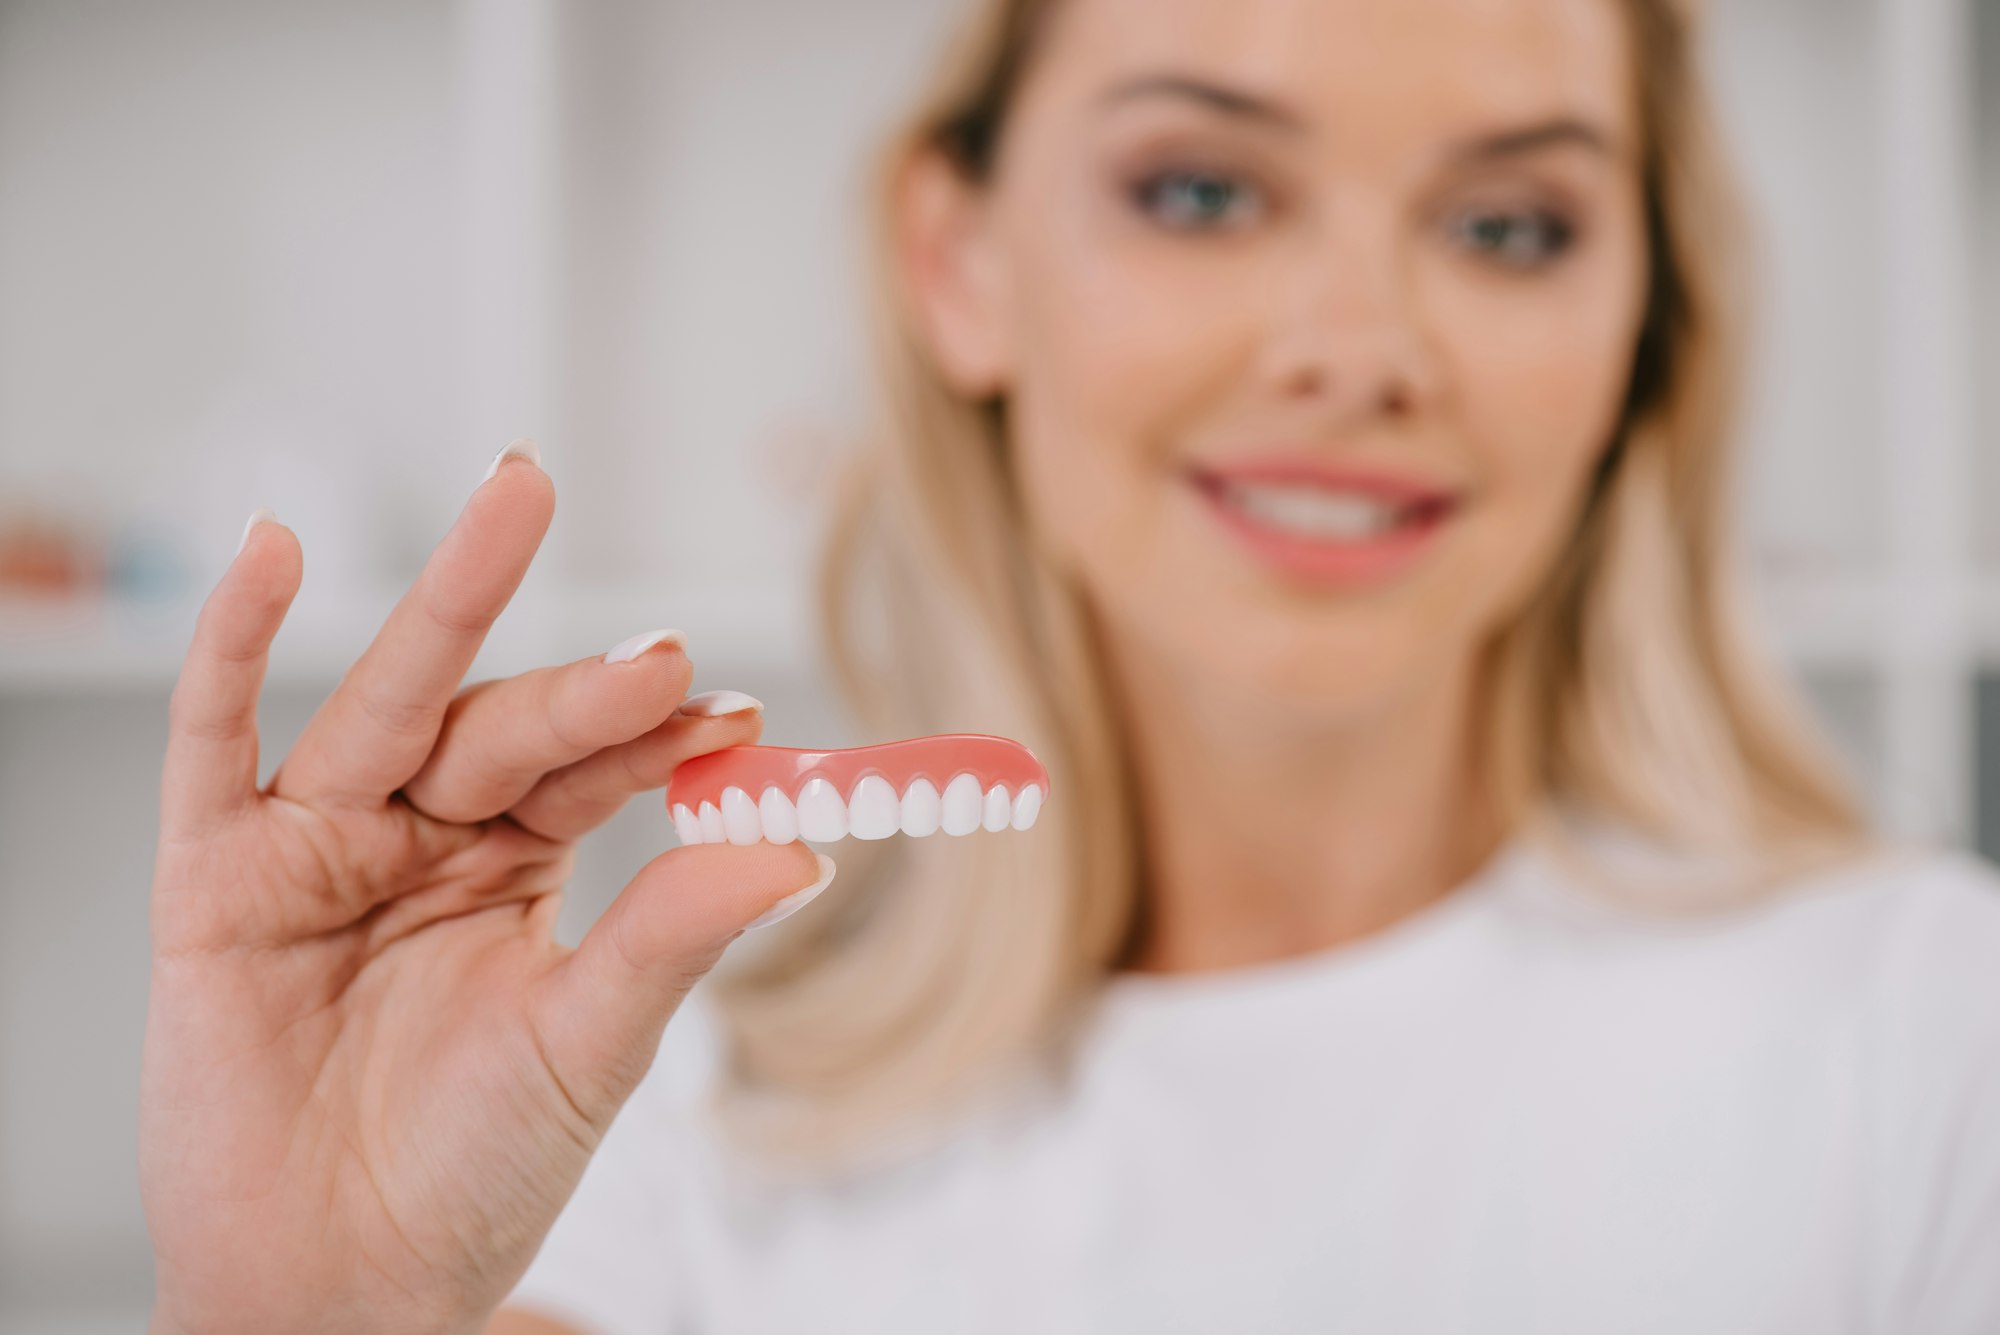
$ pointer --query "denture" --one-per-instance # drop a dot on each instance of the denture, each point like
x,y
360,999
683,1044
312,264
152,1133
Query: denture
x,y
955,782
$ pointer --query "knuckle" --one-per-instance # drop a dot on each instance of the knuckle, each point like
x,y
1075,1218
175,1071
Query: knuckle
x,y
556,871
460,621
401,718
641,768
581,712
225,727
237,655
189,717
568,738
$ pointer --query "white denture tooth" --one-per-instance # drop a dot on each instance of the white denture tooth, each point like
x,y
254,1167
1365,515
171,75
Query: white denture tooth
x,y
923,809
998,809
961,805
686,824
740,820
822,815
780,817
1027,806
711,825
873,809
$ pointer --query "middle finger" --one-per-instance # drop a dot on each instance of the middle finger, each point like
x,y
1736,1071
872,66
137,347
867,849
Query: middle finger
x,y
500,737
376,729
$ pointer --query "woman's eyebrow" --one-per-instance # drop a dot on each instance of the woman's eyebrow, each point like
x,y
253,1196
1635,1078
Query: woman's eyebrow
x,y
1556,132
1217,97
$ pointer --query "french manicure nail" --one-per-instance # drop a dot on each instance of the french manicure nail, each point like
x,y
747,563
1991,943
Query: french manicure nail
x,y
792,903
627,650
710,704
516,449
263,514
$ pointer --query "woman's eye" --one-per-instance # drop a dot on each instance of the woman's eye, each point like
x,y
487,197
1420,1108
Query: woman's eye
x,y
1524,240
1194,200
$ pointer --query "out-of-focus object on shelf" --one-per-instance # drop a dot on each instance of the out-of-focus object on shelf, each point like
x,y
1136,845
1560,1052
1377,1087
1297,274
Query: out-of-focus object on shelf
x,y
77,592
43,555
148,564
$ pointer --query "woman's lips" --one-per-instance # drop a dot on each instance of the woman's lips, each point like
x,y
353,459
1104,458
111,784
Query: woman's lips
x,y
1358,553
954,782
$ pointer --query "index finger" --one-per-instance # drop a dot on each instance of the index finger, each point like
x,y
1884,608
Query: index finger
x,y
377,728
210,767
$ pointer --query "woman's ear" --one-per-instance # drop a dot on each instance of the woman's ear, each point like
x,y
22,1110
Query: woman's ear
x,y
951,273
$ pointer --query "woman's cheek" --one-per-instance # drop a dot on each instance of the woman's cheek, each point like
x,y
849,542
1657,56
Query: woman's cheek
x,y
1534,479
1534,421
1542,370
1078,469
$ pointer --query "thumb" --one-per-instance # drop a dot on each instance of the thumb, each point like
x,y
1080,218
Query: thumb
x,y
603,1009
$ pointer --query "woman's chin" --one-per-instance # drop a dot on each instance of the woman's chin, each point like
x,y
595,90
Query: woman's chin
x,y
1331,681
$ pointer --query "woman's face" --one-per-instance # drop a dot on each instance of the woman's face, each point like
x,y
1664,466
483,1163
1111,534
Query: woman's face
x,y
1314,317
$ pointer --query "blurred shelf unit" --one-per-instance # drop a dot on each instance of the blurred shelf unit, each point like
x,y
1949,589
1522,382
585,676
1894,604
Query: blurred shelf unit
x,y
67,646
62,647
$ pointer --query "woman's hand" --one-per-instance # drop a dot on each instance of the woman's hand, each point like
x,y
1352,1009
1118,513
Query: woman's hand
x,y
372,1079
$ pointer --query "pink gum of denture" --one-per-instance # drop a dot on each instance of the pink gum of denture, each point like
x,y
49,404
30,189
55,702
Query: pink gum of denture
x,y
956,782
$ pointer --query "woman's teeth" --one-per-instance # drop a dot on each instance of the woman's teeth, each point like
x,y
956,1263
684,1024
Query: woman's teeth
x,y
1314,512
873,810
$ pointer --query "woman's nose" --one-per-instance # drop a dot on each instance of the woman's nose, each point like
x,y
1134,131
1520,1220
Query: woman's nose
x,y
1346,336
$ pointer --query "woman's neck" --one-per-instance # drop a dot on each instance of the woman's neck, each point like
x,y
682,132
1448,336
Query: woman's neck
x,y
1270,835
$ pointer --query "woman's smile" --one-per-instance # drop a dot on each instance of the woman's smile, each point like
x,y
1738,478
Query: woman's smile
x,y
1333,526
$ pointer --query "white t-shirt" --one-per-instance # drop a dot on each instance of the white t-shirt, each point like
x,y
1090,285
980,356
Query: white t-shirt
x,y
1519,1110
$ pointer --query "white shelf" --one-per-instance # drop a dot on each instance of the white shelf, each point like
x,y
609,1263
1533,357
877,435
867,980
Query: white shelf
x,y
1818,623
110,645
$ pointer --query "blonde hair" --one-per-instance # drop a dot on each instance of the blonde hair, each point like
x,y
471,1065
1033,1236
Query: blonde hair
x,y
1628,686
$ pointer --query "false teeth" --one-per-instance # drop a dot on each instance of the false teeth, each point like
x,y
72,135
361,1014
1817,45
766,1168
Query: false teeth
x,y
822,812
961,804
780,817
740,820
744,794
996,813
923,809
873,811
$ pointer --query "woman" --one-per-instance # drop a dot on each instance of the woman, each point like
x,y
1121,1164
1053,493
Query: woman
x,y
1305,430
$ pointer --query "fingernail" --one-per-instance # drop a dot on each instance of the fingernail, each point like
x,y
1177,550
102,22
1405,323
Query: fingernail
x,y
627,650
517,449
709,704
263,514
792,903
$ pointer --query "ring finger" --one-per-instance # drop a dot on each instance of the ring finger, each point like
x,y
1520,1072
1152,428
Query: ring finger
x,y
500,737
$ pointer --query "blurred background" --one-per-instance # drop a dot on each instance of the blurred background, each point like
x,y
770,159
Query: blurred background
x,y
329,257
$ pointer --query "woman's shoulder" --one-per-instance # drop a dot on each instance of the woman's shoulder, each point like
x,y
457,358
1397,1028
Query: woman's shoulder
x,y
1929,920
1906,942
1894,894
1895,929
1926,1082
1943,892
1929,911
